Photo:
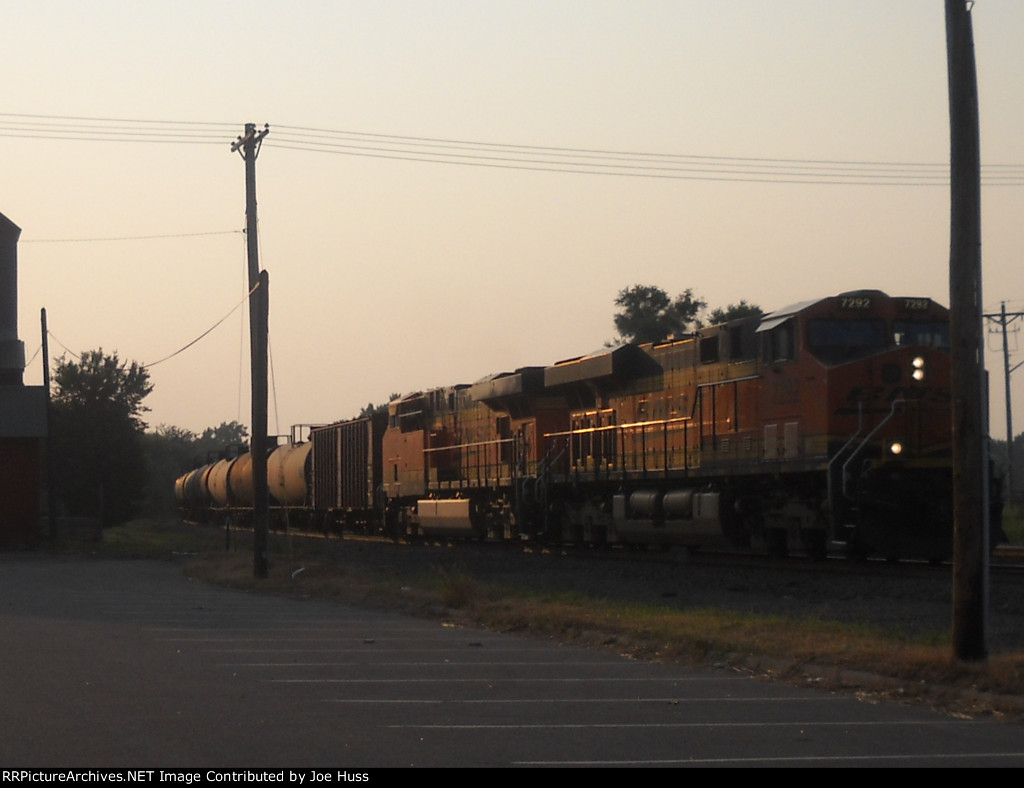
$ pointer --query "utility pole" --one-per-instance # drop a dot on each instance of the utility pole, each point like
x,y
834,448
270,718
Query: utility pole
x,y
248,146
1004,319
51,496
970,425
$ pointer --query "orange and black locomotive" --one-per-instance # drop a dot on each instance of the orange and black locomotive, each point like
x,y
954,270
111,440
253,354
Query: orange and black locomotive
x,y
821,426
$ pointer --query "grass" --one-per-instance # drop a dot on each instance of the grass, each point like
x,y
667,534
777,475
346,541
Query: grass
x,y
1013,523
826,653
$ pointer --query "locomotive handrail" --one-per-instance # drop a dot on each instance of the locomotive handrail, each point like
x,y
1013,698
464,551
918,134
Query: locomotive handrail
x,y
543,473
838,454
453,446
641,428
544,463
726,381
609,427
868,437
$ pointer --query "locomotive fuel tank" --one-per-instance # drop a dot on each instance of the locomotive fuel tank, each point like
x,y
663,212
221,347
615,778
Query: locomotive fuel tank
x,y
680,516
448,517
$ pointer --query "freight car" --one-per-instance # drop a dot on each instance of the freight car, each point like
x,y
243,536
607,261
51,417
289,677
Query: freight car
x,y
820,426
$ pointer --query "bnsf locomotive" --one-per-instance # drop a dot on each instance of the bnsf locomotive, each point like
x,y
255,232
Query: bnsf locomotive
x,y
822,425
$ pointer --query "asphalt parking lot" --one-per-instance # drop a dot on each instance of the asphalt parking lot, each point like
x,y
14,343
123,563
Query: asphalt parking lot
x,y
130,664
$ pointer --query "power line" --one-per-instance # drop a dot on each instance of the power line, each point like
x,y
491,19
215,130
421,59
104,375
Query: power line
x,y
177,352
127,237
203,335
110,129
617,163
469,153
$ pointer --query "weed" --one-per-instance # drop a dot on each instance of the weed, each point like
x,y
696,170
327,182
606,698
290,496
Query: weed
x,y
1013,523
458,589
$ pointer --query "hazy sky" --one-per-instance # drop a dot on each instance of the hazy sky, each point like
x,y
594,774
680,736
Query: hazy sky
x,y
391,273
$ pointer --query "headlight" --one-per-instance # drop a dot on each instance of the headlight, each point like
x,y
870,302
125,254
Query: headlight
x,y
895,448
918,365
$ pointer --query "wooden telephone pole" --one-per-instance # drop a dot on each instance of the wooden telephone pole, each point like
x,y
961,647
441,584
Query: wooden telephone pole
x,y
248,145
970,423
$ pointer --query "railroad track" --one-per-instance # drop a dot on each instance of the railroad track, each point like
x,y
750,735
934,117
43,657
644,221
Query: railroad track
x,y
1007,560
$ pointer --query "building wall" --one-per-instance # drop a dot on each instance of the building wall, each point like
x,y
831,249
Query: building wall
x,y
20,488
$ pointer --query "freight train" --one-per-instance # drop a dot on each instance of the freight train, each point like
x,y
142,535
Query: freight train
x,y
820,427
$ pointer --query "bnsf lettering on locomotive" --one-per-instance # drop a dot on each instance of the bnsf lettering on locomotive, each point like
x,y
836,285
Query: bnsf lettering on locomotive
x,y
855,302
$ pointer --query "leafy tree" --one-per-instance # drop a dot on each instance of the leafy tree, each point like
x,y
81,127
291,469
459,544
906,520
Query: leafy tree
x,y
96,432
733,312
647,313
169,452
218,439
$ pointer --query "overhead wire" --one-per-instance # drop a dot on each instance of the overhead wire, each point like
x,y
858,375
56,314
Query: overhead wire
x,y
177,352
470,153
53,336
461,152
629,163
205,333
128,237
93,129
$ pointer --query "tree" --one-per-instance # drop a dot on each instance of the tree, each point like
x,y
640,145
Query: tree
x,y
370,408
648,314
169,452
96,432
220,438
733,312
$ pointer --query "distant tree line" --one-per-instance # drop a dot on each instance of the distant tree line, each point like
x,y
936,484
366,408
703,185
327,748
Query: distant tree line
x,y
105,464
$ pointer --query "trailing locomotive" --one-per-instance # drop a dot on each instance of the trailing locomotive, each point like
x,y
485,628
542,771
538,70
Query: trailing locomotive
x,y
823,425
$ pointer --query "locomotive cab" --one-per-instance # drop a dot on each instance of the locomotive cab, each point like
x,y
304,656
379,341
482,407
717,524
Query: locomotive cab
x,y
870,405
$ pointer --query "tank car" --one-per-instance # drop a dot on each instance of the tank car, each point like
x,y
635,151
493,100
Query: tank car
x,y
192,494
224,491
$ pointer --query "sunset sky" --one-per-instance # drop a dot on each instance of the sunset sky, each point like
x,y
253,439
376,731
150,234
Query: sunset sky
x,y
451,189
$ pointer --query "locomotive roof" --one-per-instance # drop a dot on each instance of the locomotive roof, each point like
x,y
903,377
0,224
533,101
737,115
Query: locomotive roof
x,y
503,384
779,316
620,360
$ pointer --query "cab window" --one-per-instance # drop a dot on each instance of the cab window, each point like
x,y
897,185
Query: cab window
x,y
842,340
